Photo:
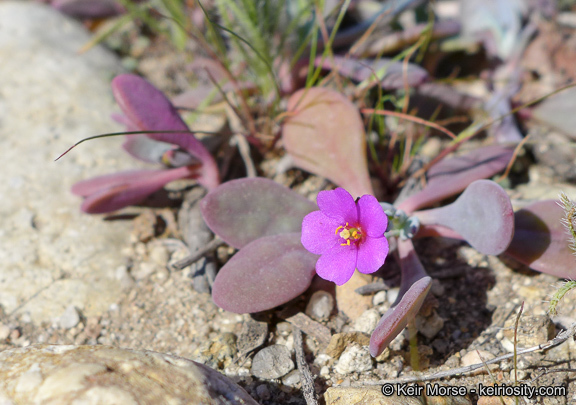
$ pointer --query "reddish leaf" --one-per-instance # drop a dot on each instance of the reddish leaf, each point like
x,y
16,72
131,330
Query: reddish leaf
x,y
114,191
413,291
324,134
541,241
148,109
241,211
267,272
451,176
483,215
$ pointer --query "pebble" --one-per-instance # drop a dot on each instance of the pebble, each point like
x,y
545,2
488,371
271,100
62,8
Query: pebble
x,y
272,362
320,306
340,341
252,335
532,331
367,321
429,326
476,357
292,378
392,294
4,331
93,375
69,318
379,298
355,358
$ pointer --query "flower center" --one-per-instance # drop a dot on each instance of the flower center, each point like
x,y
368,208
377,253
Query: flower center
x,y
349,233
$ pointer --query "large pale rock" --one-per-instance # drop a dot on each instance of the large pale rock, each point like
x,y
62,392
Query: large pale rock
x,y
93,375
52,256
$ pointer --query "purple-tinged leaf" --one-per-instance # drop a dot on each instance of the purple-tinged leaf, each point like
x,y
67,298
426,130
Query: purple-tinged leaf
x,y
241,211
114,191
413,290
148,109
483,215
266,273
324,134
540,240
389,73
451,176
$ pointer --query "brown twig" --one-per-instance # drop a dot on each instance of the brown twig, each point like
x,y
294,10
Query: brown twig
x,y
187,261
306,376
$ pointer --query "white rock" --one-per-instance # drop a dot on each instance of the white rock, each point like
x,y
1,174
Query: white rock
x,y
379,298
355,358
69,318
320,305
93,375
367,321
51,97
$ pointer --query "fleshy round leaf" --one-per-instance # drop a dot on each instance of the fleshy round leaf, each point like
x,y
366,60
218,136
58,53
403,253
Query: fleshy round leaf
x,y
324,134
483,215
540,240
413,291
241,211
450,176
266,273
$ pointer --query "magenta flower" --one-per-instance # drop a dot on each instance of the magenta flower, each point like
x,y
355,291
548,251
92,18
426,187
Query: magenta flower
x,y
348,234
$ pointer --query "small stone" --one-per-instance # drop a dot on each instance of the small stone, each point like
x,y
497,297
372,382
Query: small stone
x,y
367,321
392,294
252,335
320,306
4,331
159,254
532,331
69,318
292,378
340,341
218,352
263,392
355,358
476,357
272,362
143,270
437,288
379,298
429,326
325,371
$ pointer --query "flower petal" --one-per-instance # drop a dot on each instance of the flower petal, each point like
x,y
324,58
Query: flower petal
x,y
318,232
338,205
371,254
371,216
338,264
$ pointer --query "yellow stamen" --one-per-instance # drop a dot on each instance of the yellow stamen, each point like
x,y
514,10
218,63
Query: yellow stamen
x,y
346,244
341,226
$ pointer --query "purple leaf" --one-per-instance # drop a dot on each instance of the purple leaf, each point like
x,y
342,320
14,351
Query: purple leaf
x,y
540,240
451,176
267,272
391,74
114,191
413,291
483,215
241,211
148,109
324,134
